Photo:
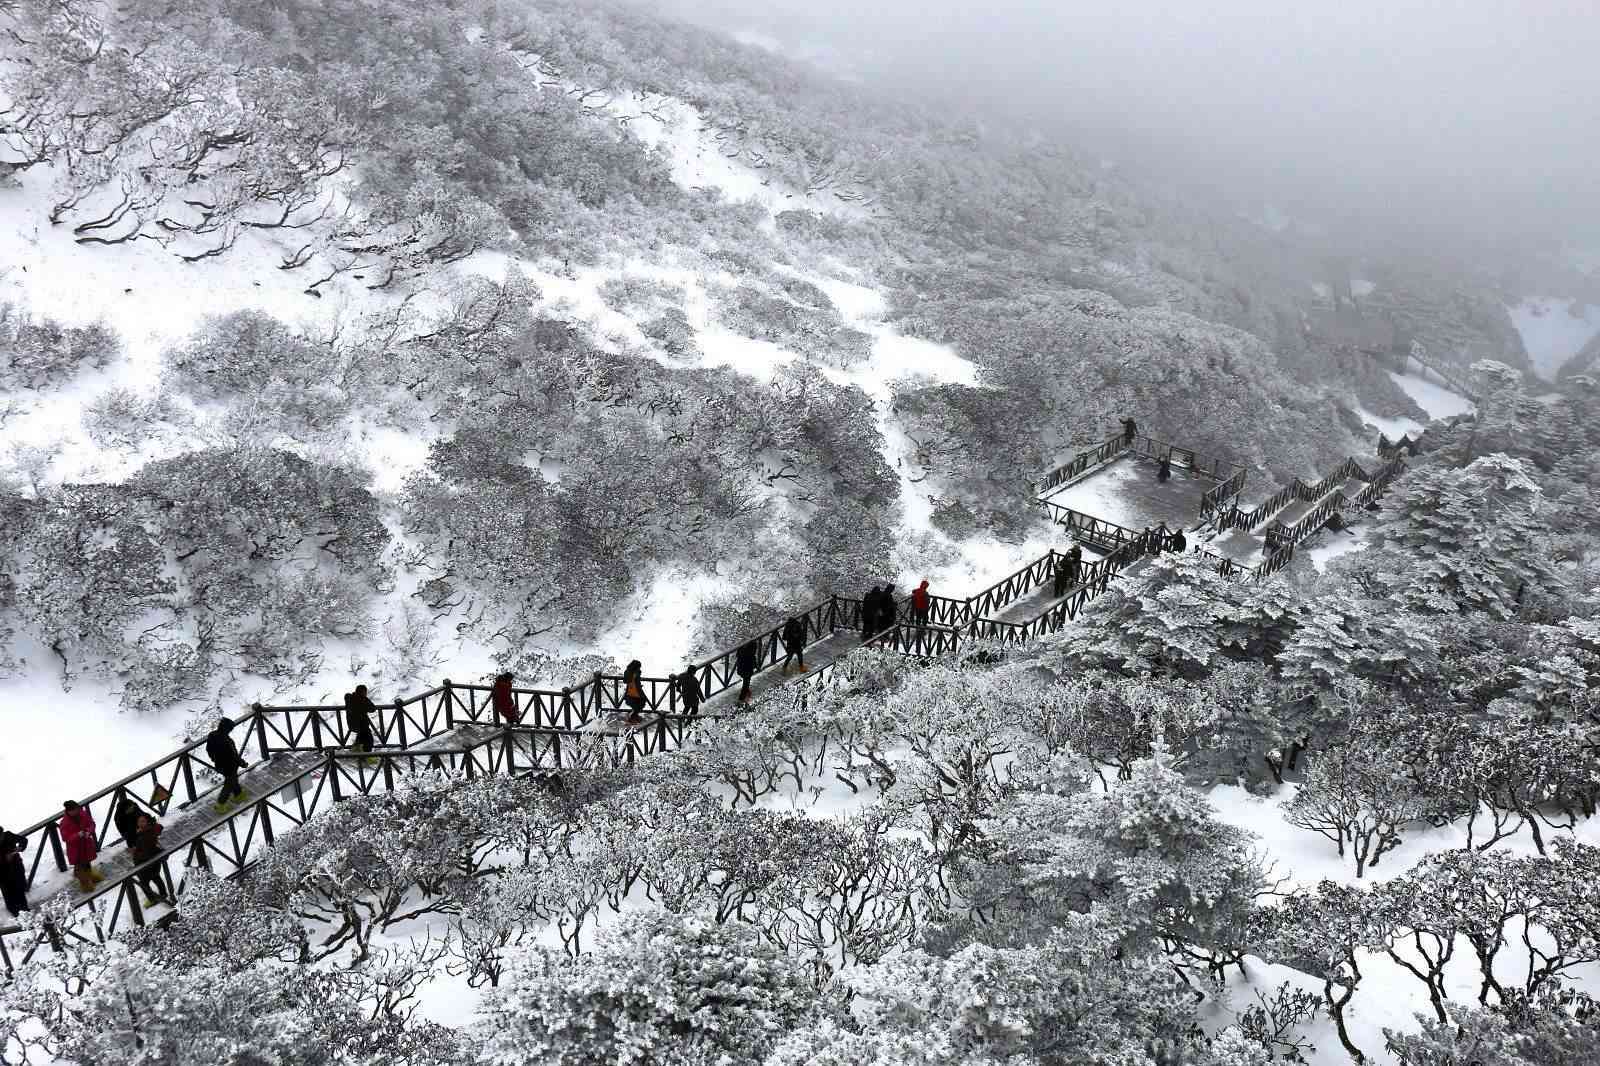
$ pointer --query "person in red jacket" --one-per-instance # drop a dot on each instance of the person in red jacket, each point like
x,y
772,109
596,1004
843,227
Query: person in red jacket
x,y
920,602
504,701
78,836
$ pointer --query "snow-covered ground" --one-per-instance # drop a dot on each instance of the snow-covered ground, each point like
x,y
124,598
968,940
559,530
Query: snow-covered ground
x,y
1437,400
1553,331
1393,428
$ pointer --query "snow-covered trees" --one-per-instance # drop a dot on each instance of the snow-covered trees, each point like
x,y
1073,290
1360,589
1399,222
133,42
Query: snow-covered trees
x,y
1469,539
1073,998
1358,795
1182,619
89,568
656,988
40,353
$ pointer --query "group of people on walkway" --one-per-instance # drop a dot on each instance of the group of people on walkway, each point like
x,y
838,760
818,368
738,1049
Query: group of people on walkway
x,y
1069,570
80,840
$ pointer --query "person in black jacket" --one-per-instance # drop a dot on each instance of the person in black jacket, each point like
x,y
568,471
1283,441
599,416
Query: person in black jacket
x,y
126,819
1178,542
869,612
887,608
358,712
744,664
689,694
1164,471
13,872
1130,430
794,643
224,754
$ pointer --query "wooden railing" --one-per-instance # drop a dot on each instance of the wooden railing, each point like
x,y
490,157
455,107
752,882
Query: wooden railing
x,y
1221,470
1079,465
1096,532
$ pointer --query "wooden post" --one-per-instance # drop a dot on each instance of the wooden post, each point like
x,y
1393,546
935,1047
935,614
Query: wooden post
x,y
400,723
449,705
261,728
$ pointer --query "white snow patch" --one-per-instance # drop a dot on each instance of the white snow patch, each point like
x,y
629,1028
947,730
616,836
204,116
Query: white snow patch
x,y
1329,546
1553,330
1360,287
1393,428
1102,496
69,745
1437,400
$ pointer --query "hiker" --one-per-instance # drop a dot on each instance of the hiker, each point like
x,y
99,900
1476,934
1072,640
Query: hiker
x,y
225,759
1130,430
1164,472
744,664
504,700
689,690
869,612
1163,540
1226,569
1178,542
126,819
1148,545
78,834
920,604
1075,564
358,712
633,691
147,846
794,643
1063,568
13,872
886,608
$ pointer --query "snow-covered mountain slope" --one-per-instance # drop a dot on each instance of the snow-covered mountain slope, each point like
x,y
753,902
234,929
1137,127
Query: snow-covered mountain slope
x,y
1553,331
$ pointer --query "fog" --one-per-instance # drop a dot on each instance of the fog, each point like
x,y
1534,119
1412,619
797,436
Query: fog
x,y
1467,117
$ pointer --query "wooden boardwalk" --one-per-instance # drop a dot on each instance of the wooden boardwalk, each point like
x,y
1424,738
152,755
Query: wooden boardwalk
x,y
1140,500
1038,601
1248,546
183,828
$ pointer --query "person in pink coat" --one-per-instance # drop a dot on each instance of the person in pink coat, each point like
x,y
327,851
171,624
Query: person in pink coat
x,y
78,836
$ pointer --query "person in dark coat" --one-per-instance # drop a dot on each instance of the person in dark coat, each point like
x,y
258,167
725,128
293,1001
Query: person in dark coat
x,y
1164,471
1130,430
224,754
887,609
1062,581
504,701
147,846
744,664
358,712
869,612
633,691
689,694
126,819
1178,542
794,643
1075,565
13,872
79,834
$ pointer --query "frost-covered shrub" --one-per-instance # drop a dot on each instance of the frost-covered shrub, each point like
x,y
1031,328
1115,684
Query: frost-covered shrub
x,y
657,988
632,293
671,330
87,569
38,353
123,418
165,673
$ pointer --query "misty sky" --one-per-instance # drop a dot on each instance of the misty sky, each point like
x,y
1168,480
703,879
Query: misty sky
x,y
1458,110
